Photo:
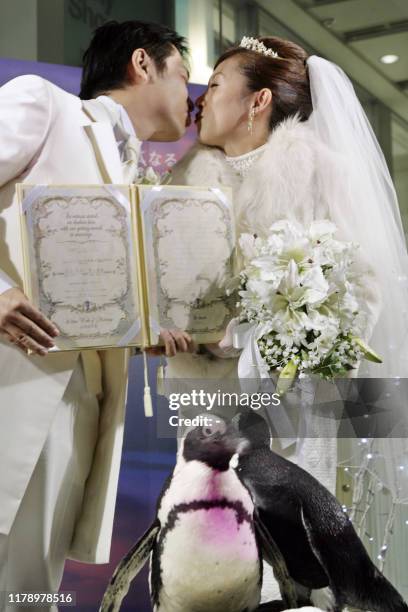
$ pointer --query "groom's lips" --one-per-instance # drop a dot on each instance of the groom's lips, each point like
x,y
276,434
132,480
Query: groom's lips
x,y
188,120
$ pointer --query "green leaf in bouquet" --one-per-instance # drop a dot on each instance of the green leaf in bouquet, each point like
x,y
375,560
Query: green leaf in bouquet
x,y
328,371
367,351
286,377
324,369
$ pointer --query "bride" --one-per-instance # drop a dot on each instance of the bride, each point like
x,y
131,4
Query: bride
x,y
287,132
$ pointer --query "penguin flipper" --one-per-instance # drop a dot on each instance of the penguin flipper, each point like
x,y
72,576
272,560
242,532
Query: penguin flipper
x,y
273,555
128,568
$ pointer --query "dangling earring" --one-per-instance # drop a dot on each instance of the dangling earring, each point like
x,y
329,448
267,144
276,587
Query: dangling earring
x,y
251,119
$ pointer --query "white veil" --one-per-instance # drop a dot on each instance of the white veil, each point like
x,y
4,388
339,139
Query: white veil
x,y
368,212
369,207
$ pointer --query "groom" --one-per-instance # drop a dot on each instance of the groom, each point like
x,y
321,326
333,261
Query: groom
x,y
62,415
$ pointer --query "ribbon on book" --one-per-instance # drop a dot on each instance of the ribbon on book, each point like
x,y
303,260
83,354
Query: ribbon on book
x,y
119,196
148,196
132,332
221,196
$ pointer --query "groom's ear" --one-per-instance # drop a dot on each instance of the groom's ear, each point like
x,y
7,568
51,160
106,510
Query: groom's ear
x,y
263,99
141,67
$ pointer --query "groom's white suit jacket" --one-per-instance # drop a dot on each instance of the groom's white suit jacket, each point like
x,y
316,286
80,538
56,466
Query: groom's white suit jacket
x,y
50,136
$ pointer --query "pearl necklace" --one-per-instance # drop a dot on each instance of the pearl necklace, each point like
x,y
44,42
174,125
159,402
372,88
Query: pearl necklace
x,y
242,163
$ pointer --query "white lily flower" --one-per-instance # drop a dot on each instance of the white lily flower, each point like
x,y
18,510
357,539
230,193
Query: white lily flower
x,y
269,269
316,285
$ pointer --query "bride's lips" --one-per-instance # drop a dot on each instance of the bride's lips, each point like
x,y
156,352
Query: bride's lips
x,y
198,118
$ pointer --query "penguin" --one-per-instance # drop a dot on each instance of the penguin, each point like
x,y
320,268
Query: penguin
x,y
324,555
204,552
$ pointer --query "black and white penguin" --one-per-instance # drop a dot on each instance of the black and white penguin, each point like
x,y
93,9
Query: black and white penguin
x,y
316,538
204,552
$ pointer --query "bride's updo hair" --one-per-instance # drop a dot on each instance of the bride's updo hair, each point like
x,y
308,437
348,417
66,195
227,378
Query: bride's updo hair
x,y
286,76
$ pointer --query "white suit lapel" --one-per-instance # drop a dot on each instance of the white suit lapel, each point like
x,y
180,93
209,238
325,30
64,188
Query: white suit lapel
x,y
100,133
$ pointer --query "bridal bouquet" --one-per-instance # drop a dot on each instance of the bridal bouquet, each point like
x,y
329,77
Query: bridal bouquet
x,y
299,293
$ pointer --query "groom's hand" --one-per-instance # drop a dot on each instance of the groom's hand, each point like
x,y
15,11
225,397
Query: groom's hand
x,y
175,341
24,325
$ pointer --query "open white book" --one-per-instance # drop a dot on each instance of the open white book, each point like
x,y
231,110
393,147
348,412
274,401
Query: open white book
x,y
111,265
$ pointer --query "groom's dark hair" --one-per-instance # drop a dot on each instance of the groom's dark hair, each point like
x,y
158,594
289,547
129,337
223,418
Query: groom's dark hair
x,y
106,61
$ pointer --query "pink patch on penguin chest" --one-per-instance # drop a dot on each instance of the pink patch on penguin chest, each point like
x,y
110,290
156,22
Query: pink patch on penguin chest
x,y
224,528
223,522
221,531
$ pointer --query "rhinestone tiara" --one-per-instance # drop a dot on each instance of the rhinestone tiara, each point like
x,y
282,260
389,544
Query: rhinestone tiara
x,y
253,44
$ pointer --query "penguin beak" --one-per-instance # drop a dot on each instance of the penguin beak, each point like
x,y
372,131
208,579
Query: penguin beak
x,y
232,439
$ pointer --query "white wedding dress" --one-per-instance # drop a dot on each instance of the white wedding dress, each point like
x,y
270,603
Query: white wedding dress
x,y
278,180
330,167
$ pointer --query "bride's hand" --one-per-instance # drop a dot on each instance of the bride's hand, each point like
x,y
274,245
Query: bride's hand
x,y
175,341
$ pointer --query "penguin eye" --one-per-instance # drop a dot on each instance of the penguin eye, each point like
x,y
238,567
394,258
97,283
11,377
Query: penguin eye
x,y
207,431
216,426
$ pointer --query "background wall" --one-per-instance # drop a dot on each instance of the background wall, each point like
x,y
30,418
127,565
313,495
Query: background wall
x,y
59,31
81,17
